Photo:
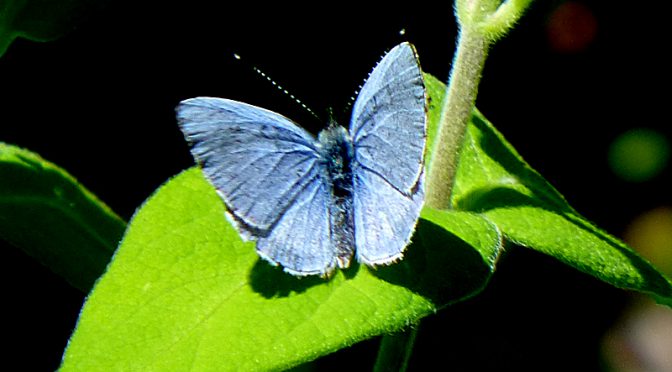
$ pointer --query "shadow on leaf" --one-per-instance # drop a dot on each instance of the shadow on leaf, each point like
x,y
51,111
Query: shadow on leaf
x,y
439,266
271,281
495,147
483,199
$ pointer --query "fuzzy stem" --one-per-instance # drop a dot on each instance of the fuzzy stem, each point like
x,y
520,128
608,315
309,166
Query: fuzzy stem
x,y
458,104
395,351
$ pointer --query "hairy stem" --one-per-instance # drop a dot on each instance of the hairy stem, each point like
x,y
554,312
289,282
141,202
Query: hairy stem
x,y
472,50
395,351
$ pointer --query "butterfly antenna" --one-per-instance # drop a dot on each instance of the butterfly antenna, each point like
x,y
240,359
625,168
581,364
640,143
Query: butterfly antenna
x,y
351,101
285,91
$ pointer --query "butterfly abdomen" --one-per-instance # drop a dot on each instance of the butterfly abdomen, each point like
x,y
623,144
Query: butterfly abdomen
x,y
336,154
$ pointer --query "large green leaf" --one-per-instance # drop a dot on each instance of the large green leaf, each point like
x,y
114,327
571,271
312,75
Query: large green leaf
x,y
41,20
495,181
48,214
184,292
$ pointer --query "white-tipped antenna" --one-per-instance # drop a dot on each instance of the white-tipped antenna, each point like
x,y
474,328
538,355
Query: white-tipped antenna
x,y
293,97
353,98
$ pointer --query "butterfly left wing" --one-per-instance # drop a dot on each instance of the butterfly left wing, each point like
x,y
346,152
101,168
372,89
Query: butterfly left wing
x,y
266,170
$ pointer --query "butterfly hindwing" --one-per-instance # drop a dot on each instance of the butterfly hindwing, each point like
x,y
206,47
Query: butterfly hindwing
x,y
388,216
301,240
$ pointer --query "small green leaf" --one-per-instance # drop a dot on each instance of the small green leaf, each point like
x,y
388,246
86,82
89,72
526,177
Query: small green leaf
x,y
495,181
41,20
491,18
45,212
184,292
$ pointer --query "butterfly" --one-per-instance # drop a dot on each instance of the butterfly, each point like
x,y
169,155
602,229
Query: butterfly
x,y
312,204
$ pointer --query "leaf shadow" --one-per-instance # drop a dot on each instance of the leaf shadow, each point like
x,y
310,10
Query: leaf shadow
x,y
493,144
272,281
439,266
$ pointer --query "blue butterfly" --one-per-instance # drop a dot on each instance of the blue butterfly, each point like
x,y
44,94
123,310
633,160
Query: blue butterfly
x,y
311,204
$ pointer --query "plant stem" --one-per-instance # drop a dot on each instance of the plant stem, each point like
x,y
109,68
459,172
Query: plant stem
x,y
477,33
472,50
395,351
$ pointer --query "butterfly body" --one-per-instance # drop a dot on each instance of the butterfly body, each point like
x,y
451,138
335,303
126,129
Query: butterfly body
x,y
314,204
337,155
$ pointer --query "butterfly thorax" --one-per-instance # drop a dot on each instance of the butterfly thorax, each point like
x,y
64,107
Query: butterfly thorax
x,y
337,153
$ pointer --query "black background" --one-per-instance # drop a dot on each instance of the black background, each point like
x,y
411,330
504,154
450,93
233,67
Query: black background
x,y
99,102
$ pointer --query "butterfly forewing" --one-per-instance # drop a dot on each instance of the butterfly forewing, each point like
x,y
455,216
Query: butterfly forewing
x,y
257,160
388,120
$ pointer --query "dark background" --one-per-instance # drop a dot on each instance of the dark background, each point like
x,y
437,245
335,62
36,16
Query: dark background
x,y
99,102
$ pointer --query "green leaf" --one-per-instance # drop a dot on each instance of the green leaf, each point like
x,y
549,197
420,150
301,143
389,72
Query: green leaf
x,y
184,292
45,212
41,20
495,181
491,18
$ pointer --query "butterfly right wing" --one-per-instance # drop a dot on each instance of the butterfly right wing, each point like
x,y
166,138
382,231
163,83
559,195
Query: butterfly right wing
x,y
388,131
258,161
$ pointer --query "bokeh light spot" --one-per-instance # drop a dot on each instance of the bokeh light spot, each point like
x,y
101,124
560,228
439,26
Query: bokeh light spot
x,y
571,27
651,235
639,154
641,341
